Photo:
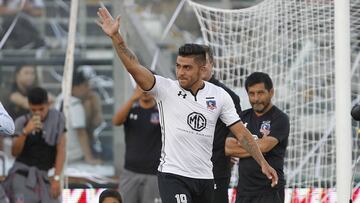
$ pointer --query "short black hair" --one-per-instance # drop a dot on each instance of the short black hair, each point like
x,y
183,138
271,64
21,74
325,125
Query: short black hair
x,y
258,77
79,78
195,50
209,52
110,193
38,95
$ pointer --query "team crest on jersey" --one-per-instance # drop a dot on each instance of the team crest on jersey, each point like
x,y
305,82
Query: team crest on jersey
x,y
265,128
154,118
196,121
211,104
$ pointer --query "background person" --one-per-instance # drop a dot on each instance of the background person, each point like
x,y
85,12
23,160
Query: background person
x,y
221,162
110,196
271,128
39,146
79,145
140,116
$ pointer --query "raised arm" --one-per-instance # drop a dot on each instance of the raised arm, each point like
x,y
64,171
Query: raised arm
x,y
122,114
248,143
143,77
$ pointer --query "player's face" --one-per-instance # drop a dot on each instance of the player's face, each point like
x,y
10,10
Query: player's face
x,y
40,109
260,97
187,71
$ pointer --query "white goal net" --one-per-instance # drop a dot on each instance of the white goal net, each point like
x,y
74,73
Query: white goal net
x,y
293,41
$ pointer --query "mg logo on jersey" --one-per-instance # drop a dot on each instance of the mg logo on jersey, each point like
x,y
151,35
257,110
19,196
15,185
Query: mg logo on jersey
x,y
196,121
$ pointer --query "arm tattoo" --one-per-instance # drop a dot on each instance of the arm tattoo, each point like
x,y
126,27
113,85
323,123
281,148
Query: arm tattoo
x,y
122,48
251,148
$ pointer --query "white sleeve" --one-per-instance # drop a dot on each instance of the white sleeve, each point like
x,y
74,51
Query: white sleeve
x,y
77,115
228,113
159,90
7,126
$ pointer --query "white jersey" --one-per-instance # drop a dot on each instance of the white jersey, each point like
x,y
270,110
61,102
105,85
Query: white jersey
x,y
6,122
188,124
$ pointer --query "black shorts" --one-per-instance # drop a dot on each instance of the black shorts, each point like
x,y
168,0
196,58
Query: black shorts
x,y
273,197
179,189
221,190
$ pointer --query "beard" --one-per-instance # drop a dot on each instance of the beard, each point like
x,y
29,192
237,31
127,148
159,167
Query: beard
x,y
260,107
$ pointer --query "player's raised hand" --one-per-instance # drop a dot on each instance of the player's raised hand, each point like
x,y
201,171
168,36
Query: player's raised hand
x,y
270,173
107,22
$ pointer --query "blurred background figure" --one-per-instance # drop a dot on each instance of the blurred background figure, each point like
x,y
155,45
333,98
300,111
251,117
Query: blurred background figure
x,y
16,101
25,33
79,145
93,110
140,116
39,146
110,196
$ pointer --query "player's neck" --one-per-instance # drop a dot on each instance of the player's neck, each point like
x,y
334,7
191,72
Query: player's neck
x,y
197,86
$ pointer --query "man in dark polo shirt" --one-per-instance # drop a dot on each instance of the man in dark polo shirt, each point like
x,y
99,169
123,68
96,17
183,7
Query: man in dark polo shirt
x,y
221,162
140,117
270,127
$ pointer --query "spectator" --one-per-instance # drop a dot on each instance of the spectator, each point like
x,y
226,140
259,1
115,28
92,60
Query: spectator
x,y
140,116
93,109
16,101
110,196
24,34
79,144
38,147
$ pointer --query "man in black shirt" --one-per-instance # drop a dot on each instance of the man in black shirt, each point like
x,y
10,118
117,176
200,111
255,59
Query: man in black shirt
x,y
140,116
221,162
270,126
39,145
